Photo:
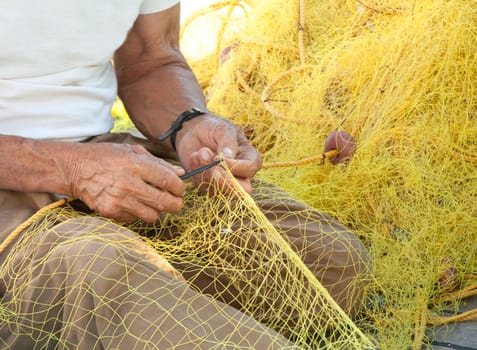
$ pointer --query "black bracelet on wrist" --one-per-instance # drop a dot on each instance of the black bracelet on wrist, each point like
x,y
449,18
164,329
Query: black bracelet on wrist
x,y
177,124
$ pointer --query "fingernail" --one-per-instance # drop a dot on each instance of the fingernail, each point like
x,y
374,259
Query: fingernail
x,y
228,152
204,155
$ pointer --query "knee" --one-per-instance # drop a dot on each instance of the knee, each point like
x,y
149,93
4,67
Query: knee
x,y
85,248
344,268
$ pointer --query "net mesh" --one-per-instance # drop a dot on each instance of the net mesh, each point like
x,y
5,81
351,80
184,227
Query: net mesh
x,y
240,274
399,76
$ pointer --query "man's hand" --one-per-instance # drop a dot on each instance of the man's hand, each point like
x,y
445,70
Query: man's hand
x,y
124,182
208,138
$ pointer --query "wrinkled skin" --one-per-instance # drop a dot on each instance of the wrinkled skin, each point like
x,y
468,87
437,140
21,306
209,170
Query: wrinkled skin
x,y
126,182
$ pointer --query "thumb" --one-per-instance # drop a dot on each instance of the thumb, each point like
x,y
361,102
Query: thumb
x,y
227,145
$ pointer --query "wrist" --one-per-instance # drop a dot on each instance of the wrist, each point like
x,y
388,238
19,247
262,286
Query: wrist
x,y
178,124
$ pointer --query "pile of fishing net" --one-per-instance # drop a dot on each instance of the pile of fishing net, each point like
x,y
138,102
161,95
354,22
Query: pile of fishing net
x,y
396,80
401,78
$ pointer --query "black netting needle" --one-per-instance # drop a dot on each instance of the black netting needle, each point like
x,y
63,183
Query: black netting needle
x,y
201,169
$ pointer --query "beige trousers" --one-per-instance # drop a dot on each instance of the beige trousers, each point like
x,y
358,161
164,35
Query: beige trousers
x,y
86,283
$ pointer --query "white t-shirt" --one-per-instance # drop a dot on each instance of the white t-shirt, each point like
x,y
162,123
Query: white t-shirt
x,y
56,76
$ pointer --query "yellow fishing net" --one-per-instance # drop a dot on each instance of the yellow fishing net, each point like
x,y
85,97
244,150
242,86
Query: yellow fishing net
x,y
74,279
401,78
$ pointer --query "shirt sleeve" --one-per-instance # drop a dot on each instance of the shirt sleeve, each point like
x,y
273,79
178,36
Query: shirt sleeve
x,y
151,6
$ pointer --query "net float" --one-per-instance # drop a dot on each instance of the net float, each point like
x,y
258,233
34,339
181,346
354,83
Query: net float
x,y
343,143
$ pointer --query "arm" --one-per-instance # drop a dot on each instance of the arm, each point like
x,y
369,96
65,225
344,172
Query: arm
x,y
121,182
156,85
155,82
28,166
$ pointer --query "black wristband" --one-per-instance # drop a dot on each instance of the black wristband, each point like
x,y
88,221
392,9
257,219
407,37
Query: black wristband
x,y
177,124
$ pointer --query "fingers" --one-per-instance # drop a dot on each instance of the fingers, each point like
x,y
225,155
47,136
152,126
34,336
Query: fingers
x,y
158,199
241,157
246,164
224,182
162,175
157,189
130,208
218,179
227,142
129,200
212,138
125,183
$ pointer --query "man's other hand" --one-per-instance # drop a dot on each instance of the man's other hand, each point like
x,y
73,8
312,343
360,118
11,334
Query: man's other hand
x,y
125,182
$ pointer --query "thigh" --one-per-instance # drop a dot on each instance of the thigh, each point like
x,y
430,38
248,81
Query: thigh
x,y
335,256
270,262
87,283
59,271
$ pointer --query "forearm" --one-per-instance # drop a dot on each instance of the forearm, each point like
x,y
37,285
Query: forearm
x,y
34,166
154,100
154,80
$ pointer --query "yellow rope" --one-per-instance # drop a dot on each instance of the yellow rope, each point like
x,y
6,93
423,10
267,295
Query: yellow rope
x,y
267,92
221,31
465,316
245,86
15,233
319,158
466,292
460,294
